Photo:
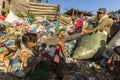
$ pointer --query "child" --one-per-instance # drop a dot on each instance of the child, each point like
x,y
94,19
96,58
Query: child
x,y
38,64
114,63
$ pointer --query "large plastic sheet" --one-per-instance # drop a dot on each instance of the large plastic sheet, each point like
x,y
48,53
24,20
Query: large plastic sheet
x,y
11,17
115,40
89,46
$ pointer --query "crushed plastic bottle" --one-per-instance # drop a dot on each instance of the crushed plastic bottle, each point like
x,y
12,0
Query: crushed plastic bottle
x,y
88,65
19,73
95,65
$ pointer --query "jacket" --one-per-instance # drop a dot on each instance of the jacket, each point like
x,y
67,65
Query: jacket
x,y
105,24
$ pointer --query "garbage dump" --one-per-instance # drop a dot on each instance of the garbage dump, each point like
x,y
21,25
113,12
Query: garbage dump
x,y
25,55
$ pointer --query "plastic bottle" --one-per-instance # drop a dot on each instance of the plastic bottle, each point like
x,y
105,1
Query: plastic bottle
x,y
7,30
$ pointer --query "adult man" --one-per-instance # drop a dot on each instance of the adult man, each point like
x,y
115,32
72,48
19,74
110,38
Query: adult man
x,y
104,23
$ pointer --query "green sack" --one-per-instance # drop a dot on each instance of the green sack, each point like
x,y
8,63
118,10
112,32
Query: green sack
x,y
89,46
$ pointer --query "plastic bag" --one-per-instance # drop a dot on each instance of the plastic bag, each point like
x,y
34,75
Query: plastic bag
x,y
16,68
11,17
90,46
115,41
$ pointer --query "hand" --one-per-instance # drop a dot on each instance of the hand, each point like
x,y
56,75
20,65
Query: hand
x,y
85,32
93,30
89,31
111,68
61,43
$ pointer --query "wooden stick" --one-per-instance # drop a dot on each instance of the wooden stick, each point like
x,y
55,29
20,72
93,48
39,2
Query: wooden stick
x,y
41,10
42,7
45,13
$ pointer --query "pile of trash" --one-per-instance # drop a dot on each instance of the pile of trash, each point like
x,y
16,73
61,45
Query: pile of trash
x,y
74,69
115,14
11,29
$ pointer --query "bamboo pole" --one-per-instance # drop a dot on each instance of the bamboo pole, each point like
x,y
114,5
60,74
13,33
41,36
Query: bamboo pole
x,y
41,10
45,13
41,7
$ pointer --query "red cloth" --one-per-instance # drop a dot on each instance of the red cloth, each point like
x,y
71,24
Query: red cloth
x,y
78,24
2,18
59,48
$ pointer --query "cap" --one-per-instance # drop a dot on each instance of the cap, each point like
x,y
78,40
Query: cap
x,y
102,10
58,29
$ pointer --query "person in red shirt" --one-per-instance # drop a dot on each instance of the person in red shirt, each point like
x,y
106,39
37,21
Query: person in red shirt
x,y
78,26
